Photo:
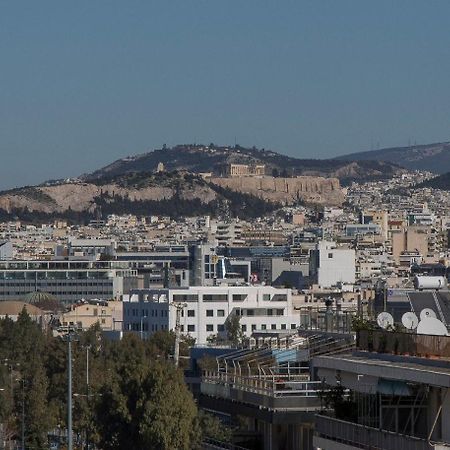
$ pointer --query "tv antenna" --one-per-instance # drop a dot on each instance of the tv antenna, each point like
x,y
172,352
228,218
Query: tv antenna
x,y
410,321
385,320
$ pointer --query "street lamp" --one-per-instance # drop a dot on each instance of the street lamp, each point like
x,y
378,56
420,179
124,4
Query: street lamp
x,y
142,318
21,380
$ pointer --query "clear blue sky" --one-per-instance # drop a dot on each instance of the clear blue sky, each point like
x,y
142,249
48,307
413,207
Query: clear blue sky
x,y
84,83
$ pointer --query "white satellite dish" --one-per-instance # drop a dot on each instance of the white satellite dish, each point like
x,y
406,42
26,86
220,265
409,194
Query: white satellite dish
x,y
385,320
410,320
427,313
433,326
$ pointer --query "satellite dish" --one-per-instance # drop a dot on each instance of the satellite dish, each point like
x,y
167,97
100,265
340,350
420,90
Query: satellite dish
x,y
385,320
433,326
427,313
410,320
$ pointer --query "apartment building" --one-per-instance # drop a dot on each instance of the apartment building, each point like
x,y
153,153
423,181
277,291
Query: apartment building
x,y
206,309
330,265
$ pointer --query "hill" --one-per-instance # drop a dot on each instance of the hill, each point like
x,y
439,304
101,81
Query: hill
x,y
173,194
431,157
212,158
441,182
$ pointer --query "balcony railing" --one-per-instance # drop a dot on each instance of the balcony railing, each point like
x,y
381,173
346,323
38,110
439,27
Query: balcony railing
x,y
364,437
273,386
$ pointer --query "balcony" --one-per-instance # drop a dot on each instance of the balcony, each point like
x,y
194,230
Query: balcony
x,y
272,392
329,430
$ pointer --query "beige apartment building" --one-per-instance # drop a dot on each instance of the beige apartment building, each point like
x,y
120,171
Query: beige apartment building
x,y
413,239
85,315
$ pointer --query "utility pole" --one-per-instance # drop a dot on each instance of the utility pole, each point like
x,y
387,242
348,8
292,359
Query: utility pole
x,y
23,414
179,308
87,394
69,392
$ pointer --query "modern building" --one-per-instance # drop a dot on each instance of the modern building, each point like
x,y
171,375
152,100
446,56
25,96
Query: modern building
x,y
67,280
6,250
330,265
392,391
206,309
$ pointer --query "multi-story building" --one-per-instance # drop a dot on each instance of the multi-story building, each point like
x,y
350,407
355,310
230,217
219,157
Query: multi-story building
x,y
391,393
206,309
68,280
330,265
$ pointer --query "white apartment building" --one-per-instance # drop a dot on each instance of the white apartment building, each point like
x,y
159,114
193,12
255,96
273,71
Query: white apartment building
x,y
206,308
330,265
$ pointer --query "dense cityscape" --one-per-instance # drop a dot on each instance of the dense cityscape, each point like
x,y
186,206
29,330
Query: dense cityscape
x,y
224,225
216,331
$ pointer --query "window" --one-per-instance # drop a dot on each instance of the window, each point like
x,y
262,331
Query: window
x,y
266,297
220,313
191,328
270,312
191,312
239,297
330,255
185,298
283,326
103,321
263,327
182,328
215,297
250,312
293,326
280,312
244,328
220,328
253,327
209,327
209,313
273,326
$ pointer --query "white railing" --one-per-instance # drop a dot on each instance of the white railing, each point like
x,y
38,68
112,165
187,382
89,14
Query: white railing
x,y
273,386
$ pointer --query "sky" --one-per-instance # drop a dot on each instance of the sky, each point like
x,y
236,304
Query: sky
x,y
85,83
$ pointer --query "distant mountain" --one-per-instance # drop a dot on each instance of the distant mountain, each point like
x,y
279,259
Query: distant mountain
x,y
212,158
431,157
441,182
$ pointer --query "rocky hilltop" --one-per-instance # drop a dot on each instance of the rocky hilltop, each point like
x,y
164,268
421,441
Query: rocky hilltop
x,y
215,159
287,190
168,193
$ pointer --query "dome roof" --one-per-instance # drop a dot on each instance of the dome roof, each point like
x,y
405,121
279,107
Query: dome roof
x,y
36,297
43,300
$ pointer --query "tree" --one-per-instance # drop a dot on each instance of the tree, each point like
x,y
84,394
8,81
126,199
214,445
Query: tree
x,y
144,403
234,329
211,427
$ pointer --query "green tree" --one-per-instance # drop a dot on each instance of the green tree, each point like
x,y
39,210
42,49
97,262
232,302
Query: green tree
x,y
144,403
234,330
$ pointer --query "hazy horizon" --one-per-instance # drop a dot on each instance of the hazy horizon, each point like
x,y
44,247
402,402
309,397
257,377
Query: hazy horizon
x,y
88,83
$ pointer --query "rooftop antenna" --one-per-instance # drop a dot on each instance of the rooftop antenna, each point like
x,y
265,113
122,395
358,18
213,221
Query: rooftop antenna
x,y
385,320
410,321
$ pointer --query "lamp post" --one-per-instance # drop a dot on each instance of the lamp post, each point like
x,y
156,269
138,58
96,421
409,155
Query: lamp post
x,y
21,380
69,335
